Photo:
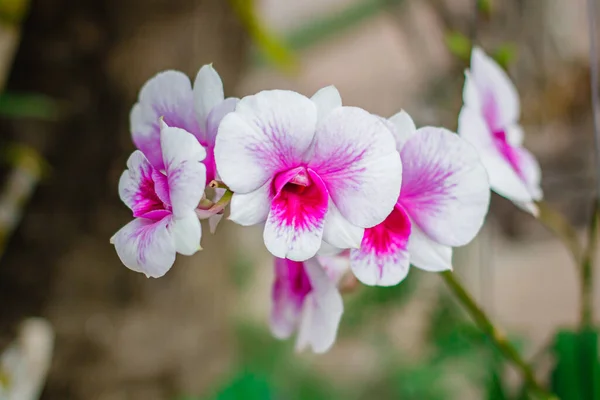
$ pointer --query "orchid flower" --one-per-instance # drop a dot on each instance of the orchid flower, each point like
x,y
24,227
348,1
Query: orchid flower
x,y
442,204
313,171
198,110
489,121
306,298
163,202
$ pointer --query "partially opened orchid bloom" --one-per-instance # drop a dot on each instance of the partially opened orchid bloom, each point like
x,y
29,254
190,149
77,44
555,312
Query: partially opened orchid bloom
x,y
163,202
306,298
198,110
442,204
489,120
313,171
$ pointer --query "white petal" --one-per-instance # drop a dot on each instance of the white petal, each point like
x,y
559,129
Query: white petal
x,y
251,208
404,128
328,250
322,311
186,173
290,289
355,155
213,222
216,116
532,173
335,266
267,133
208,92
137,176
146,246
340,233
186,234
502,177
445,187
167,95
492,80
427,254
327,99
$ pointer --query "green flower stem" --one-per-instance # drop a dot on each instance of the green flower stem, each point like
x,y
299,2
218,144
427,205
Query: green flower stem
x,y
558,224
500,341
587,264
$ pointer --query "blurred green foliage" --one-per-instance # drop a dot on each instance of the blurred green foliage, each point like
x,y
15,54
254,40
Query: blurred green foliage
x,y
29,105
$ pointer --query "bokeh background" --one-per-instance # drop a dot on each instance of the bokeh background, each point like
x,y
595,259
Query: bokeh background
x,y
72,70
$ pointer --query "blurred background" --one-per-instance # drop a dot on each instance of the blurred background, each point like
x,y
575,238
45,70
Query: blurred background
x,y
70,71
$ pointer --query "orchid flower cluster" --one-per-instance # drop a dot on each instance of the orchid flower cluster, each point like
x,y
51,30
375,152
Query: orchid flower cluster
x,y
337,188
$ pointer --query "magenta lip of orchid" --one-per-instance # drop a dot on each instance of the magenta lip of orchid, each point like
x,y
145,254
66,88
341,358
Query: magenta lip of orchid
x,y
489,120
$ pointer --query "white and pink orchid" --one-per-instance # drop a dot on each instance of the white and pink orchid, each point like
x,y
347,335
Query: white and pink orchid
x,y
306,299
442,204
312,170
489,121
163,202
199,110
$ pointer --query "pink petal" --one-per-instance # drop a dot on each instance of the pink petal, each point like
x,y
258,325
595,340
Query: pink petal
x,y
167,95
146,246
321,313
427,254
251,208
290,288
355,155
383,258
326,99
137,186
294,227
445,188
186,174
267,133
503,178
497,94
212,126
207,94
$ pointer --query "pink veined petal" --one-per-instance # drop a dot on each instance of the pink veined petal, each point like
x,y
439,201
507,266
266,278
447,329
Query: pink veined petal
x,y
290,288
503,179
321,313
146,246
137,187
355,155
427,254
497,94
212,126
339,232
268,133
207,94
403,128
531,173
167,95
294,227
186,174
383,259
445,188
186,234
251,208
326,99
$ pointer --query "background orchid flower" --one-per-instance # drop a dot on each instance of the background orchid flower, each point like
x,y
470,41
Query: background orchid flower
x,y
299,168
489,121
163,204
198,110
306,298
443,202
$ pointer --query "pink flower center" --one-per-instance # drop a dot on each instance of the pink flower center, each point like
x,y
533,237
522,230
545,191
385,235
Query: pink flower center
x,y
300,198
390,236
152,199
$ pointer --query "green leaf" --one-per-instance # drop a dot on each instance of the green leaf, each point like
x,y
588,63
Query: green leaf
x,y
459,45
576,375
245,385
28,105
